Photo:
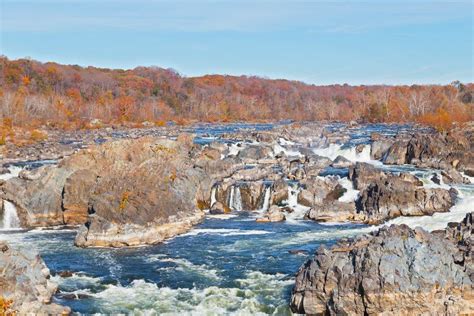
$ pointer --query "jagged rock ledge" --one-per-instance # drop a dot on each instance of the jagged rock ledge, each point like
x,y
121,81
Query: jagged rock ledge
x,y
394,271
25,287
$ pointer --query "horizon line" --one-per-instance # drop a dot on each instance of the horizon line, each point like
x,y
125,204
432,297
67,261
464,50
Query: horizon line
x,y
264,77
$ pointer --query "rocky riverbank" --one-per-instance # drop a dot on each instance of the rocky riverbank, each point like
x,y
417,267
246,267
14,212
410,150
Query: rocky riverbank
x,y
25,287
396,270
141,191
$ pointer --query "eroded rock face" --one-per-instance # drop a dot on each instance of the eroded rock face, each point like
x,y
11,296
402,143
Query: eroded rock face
x,y
394,271
146,201
128,192
25,281
382,196
394,197
434,150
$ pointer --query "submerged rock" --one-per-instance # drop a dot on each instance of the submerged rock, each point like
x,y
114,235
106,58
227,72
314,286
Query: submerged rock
x,y
25,287
396,271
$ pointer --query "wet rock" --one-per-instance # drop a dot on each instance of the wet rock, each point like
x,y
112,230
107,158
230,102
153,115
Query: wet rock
x,y
219,208
252,194
379,146
255,152
396,270
38,201
334,211
451,175
279,192
341,162
274,214
394,196
435,178
362,174
25,283
65,274
396,154
306,198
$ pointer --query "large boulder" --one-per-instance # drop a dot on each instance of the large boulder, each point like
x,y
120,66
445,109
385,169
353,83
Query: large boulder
x,y
38,201
148,200
362,174
255,152
394,271
379,146
25,287
395,196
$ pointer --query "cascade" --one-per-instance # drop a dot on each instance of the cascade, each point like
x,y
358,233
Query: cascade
x,y
10,216
266,199
213,196
237,205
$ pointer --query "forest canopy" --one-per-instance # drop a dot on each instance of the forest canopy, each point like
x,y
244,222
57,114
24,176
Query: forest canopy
x,y
70,96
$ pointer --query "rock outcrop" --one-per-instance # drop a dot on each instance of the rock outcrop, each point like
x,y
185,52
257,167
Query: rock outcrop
x,y
394,271
147,198
453,150
127,192
25,287
394,197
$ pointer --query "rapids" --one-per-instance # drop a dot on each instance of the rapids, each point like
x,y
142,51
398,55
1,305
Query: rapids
x,y
229,264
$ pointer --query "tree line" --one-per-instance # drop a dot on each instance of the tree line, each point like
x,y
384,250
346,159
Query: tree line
x,y
69,96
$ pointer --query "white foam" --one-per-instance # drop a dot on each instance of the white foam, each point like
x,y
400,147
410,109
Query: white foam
x,y
437,221
235,201
277,149
285,142
186,265
222,216
14,172
351,154
213,195
248,299
266,200
76,281
351,194
10,219
471,179
224,232
299,211
234,149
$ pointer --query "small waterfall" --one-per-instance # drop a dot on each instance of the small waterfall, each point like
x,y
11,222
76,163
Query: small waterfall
x,y
292,196
299,210
10,216
231,198
213,196
334,150
351,194
237,201
266,199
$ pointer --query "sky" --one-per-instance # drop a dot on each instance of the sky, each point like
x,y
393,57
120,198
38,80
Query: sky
x,y
319,42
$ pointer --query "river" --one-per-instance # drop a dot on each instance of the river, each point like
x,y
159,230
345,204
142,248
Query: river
x,y
229,264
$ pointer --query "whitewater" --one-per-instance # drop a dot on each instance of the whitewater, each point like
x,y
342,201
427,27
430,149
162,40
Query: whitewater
x,y
228,265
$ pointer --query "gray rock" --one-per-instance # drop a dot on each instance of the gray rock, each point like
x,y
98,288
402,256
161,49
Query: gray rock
x,y
396,271
25,284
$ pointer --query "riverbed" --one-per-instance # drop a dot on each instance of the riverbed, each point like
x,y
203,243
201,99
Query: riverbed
x,y
229,264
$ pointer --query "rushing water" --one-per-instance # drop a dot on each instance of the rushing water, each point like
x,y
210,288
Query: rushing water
x,y
229,264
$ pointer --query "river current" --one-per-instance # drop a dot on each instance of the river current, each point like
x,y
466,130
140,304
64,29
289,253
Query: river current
x,y
229,264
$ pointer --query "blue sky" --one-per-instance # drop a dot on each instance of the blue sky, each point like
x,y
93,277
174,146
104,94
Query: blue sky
x,y
321,42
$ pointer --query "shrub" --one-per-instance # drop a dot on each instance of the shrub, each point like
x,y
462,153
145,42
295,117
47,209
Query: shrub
x,y
38,136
